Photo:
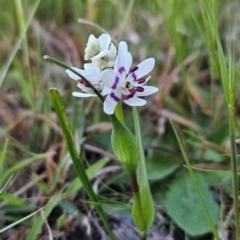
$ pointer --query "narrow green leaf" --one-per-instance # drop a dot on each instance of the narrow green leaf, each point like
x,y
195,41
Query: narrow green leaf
x,y
2,157
137,212
57,101
6,184
210,22
20,221
234,159
144,188
11,199
76,184
39,221
17,167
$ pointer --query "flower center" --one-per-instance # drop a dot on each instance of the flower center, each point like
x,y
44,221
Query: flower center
x,y
128,85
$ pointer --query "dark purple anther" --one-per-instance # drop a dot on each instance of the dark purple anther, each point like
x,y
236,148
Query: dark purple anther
x,y
126,97
140,89
141,80
132,90
80,81
133,69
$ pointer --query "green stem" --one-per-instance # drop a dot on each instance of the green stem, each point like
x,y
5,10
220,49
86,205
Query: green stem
x,y
233,151
137,198
119,113
144,188
143,236
63,65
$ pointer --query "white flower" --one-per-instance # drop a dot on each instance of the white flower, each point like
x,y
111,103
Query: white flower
x,y
100,51
93,75
126,84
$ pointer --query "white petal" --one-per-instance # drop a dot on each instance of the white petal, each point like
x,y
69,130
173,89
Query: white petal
x,y
108,77
148,90
91,74
106,91
91,37
89,66
99,63
113,50
104,41
144,68
83,95
111,101
122,51
135,101
72,74
99,55
128,62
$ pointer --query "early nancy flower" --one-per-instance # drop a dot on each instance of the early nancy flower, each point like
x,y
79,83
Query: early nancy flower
x,y
100,51
126,84
93,75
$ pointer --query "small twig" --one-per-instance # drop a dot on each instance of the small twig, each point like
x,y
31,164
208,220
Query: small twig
x,y
50,237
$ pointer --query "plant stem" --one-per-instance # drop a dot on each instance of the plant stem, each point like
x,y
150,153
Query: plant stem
x,y
143,236
63,65
78,164
137,198
233,150
142,178
119,113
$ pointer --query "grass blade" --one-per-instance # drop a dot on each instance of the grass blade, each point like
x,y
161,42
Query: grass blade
x,y
2,157
19,221
210,22
6,184
6,65
95,25
39,221
91,172
234,161
17,167
196,186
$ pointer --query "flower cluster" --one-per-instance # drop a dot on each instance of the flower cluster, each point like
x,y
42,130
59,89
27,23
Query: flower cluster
x,y
111,74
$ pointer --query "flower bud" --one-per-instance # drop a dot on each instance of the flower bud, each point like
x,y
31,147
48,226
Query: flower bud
x,y
124,145
92,48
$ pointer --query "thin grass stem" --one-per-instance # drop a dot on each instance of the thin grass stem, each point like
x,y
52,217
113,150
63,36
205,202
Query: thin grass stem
x,y
7,63
125,18
234,162
196,185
